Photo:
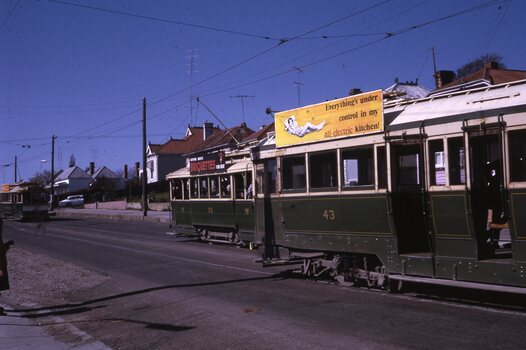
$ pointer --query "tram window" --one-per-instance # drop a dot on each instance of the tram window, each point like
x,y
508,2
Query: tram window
x,y
239,181
293,171
204,187
323,170
214,187
358,167
456,161
194,188
517,146
226,188
409,165
437,163
177,189
381,166
266,184
186,188
250,186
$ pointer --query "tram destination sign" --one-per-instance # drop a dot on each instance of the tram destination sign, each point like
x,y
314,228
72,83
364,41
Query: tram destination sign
x,y
345,117
208,164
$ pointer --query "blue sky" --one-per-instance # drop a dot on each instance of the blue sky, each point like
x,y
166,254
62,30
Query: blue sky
x,y
80,72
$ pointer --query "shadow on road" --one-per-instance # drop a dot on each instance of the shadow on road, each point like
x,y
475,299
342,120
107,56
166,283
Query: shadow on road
x,y
147,325
81,306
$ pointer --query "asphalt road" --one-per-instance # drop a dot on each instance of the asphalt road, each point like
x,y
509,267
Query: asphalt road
x,y
167,293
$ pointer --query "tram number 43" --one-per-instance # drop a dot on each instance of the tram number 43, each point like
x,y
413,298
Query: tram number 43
x,y
329,215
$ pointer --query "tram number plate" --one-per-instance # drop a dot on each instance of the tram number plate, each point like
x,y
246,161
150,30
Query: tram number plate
x,y
329,215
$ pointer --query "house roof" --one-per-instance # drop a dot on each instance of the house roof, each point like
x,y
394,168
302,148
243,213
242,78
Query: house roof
x,y
193,137
261,133
408,90
225,138
492,73
73,173
104,172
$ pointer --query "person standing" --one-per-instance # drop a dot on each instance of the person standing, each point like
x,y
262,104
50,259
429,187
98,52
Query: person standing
x,y
4,247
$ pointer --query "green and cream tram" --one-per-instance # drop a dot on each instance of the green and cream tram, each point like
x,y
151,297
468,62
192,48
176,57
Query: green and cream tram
x,y
213,200
432,189
24,201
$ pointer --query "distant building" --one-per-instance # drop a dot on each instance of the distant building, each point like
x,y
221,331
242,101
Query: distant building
x,y
72,180
106,177
162,159
490,74
224,140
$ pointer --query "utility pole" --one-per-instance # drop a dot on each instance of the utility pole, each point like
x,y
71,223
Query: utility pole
x,y
242,97
192,57
53,171
434,68
15,169
144,201
299,83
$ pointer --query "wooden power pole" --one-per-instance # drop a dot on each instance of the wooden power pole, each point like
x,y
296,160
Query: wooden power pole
x,y
53,171
144,201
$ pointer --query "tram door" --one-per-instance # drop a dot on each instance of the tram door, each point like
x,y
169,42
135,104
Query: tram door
x,y
487,193
267,206
408,198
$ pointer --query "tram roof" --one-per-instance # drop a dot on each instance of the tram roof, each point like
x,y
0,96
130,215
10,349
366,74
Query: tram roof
x,y
237,167
240,166
183,172
503,98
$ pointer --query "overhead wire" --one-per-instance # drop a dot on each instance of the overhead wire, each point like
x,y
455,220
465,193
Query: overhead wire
x,y
9,15
157,19
261,53
387,36
496,27
293,60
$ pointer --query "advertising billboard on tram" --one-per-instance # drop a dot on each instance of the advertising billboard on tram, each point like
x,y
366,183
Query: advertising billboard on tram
x,y
344,117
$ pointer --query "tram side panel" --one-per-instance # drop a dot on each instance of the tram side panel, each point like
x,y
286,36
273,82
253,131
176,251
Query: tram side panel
x,y
182,217
216,215
245,220
517,200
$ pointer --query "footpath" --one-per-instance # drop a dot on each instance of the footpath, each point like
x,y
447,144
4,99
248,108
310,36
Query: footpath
x,y
25,334
114,214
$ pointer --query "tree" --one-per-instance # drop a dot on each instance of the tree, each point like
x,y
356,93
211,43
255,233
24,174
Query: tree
x,y
71,160
42,178
478,63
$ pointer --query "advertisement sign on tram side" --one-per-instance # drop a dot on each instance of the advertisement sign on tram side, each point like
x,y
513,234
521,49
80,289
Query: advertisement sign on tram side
x,y
344,117
213,163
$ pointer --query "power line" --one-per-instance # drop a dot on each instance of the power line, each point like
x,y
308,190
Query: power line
x,y
387,36
323,48
226,69
122,13
9,15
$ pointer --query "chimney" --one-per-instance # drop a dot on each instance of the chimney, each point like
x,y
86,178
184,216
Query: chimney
x,y
208,130
137,166
91,168
491,65
443,77
126,171
354,91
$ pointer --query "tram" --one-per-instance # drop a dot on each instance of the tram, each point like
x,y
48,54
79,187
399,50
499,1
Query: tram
x,y
212,199
377,192
24,201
